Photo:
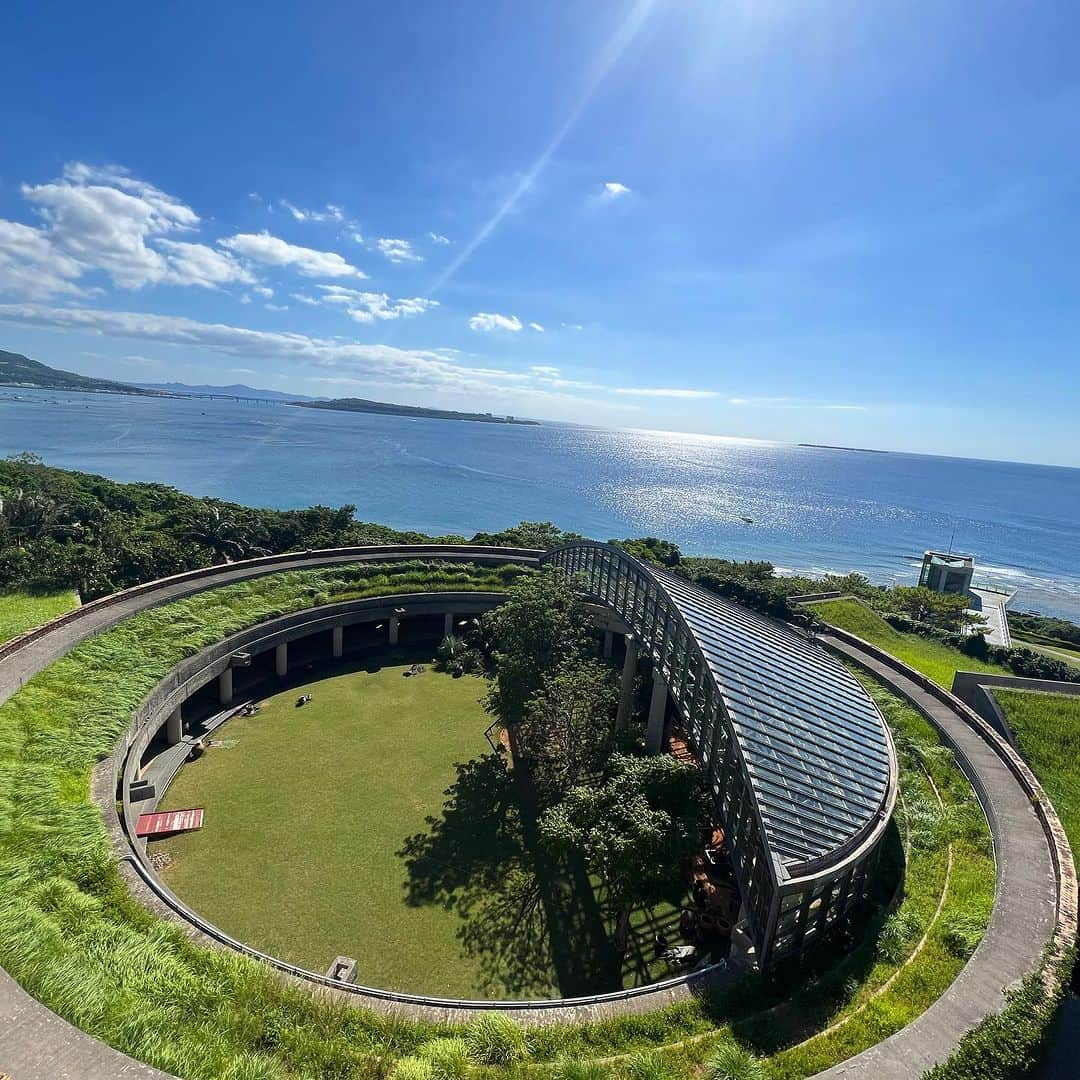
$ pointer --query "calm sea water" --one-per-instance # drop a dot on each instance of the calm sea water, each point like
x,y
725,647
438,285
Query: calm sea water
x,y
812,509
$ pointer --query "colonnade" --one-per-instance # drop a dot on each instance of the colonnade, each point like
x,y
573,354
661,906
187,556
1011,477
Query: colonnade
x,y
174,725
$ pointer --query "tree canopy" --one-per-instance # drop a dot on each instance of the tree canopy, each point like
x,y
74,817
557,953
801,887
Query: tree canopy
x,y
635,831
567,731
541,624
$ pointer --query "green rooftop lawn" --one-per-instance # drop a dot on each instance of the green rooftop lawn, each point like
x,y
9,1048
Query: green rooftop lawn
x,y
304,851
1047,726
934,659
20,611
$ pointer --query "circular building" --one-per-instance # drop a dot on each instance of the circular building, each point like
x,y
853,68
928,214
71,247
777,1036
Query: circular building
x,y
798,760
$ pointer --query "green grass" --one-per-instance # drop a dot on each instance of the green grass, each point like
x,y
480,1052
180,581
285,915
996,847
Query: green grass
x,y
20,611
72,935
934,659
305,816
1063,651
1047,726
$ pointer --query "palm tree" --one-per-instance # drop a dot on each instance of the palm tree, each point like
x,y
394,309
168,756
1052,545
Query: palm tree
x,y
29,516
211,527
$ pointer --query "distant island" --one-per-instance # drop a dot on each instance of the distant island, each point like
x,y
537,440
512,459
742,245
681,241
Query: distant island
x,y
233,390
19,370
849,449
363,405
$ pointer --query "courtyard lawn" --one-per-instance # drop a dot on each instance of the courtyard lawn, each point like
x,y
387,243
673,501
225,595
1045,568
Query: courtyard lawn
x,y
306,809
1047,727
374,822
933,658
20,611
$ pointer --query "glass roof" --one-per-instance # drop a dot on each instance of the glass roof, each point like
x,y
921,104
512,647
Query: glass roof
x,y
812,738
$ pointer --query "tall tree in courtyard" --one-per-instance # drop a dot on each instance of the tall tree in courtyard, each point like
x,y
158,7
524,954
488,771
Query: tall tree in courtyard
x,y
568,728
634,832
541,623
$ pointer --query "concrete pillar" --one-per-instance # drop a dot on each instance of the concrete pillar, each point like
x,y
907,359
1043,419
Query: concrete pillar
x,y
609,644
626,685
448,624
339,641
281,659
393,639
225,687
174,726
654,736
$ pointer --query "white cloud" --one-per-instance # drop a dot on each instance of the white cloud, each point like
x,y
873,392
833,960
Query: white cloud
x,y
197,264
418,368
793,403
397,251
369,307
438,238
537,327
263,290
572,326
487,321
345,362
330,213
664,392
104,218
272,250
546,370
31,266
614,190
276,307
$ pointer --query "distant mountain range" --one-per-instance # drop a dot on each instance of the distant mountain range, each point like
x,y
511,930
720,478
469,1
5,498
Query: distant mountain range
x,y
19,370
234,390
363,405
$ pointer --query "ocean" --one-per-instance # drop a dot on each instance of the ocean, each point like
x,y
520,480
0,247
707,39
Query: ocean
x,y
811,509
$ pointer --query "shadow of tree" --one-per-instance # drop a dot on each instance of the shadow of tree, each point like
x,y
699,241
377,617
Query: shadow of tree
x,y
533,924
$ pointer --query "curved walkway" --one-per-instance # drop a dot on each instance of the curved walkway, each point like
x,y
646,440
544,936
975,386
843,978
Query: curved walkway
x,y
1026,902
35,1044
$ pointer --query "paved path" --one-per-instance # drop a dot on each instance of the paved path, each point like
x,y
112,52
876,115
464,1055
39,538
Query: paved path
x,y
1025,904
35,1044
991,606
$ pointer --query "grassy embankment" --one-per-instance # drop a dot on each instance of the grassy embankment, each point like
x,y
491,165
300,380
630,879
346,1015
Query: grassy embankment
x,y
1047,726
934,659
21,611
72,935
1056,650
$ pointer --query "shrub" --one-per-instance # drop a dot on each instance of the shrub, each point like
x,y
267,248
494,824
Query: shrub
x,y
448,1057
647,1066
734,1062
573,1069
494,1039
413,1068
961,933
897,935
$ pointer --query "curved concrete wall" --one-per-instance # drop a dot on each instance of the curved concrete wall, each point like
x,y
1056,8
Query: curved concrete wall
x,y
195,672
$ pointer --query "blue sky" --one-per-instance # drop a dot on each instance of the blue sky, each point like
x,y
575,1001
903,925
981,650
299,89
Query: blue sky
x,y
847,222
